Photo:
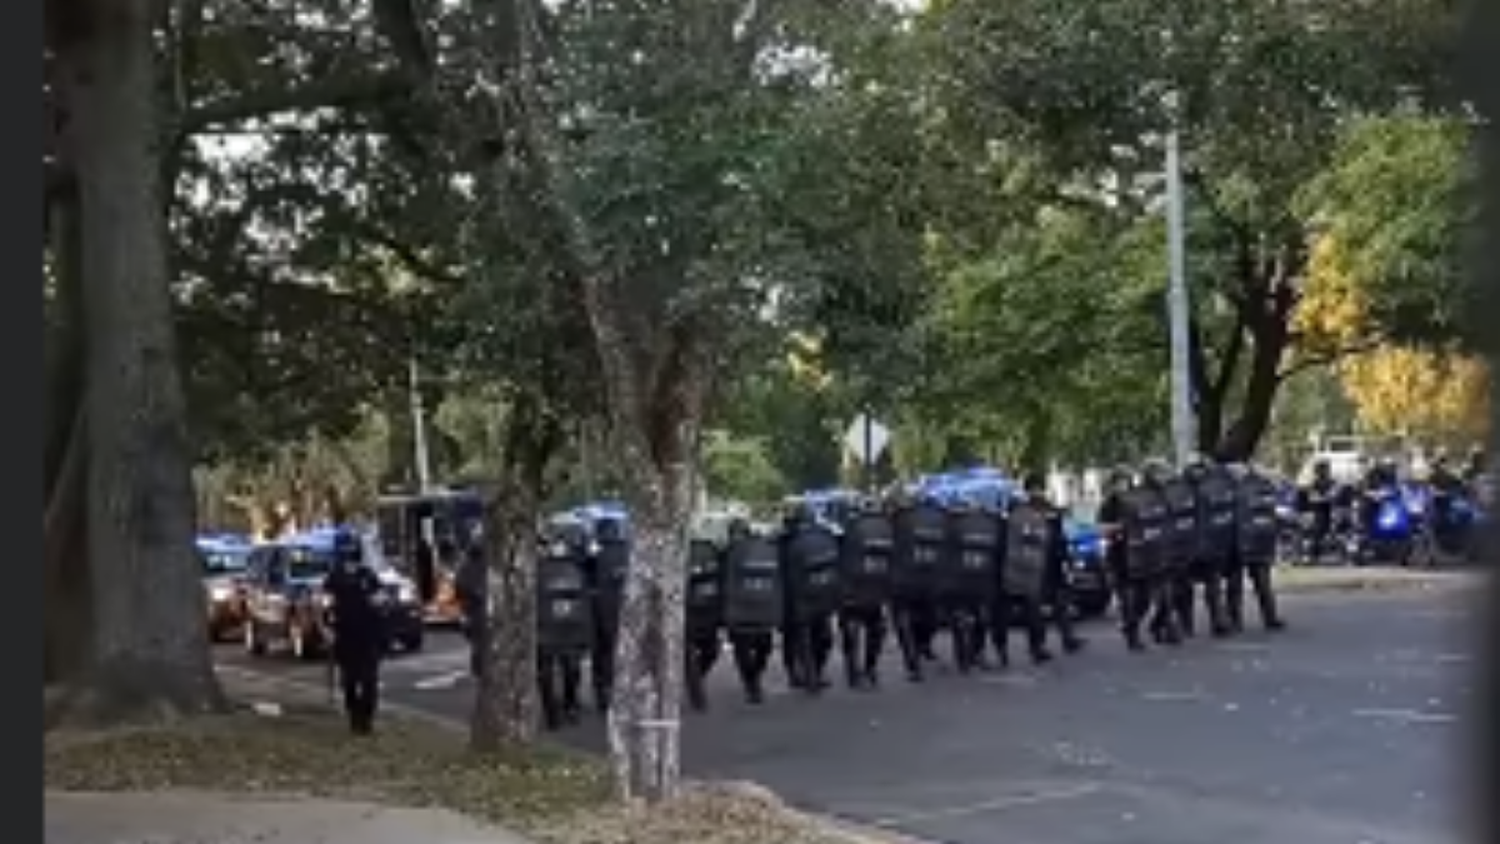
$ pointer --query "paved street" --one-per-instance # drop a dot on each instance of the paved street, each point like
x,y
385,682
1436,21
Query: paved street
x,y
1341,731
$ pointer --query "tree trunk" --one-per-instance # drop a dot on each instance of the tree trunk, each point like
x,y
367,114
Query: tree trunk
x,y
1263,382
150,653
505,707
645,715
69,608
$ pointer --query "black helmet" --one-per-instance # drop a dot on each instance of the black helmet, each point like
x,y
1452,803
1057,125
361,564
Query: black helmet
x,y
1156,471
347,547
1120,477
1034,483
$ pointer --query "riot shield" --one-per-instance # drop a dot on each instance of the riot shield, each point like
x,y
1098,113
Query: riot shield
x,y
1028,548
974,546
564,623
813,553
705,593
752,585
868,549
1144,520
921,532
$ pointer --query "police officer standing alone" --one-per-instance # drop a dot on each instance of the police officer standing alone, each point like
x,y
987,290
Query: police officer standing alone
x,y
1057,595
471,585
359,636
867,549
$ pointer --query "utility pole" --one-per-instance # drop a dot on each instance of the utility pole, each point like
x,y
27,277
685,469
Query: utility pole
x,y
1184,421
419,428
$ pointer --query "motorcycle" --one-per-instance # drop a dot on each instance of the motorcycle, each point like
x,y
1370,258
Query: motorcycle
x,y
1452,525
1392,535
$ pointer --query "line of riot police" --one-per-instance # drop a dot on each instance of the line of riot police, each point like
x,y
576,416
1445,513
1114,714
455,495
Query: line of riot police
x,y
917,568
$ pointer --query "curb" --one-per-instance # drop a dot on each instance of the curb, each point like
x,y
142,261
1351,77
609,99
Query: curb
x,y
852,831
1314,581
318,696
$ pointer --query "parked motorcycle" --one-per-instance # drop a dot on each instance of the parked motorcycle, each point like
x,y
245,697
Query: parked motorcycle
x,y
1392,535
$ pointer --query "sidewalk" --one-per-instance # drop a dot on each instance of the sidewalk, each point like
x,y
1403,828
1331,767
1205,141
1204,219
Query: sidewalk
x,y
1305,579
207,818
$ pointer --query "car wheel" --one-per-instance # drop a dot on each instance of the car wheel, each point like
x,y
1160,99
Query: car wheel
x,y
253,644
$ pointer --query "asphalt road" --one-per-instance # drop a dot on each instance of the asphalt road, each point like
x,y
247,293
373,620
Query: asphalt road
x,y
1346,729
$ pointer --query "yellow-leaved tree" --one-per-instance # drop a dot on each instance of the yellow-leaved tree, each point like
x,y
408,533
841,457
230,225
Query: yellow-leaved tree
x,y
1434,393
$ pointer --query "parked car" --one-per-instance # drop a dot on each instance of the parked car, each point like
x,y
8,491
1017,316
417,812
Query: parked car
x,y
1088,576
287,608
224,560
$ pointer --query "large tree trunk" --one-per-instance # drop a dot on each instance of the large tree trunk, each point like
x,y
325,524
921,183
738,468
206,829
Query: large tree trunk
x,y
69,621
505,709
151,656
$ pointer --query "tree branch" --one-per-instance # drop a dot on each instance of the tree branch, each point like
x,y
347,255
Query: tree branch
x,y
1331,357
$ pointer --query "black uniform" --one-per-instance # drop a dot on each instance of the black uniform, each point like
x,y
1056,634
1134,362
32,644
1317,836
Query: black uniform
x,y
1317,501
967,580
810,561
1137,518
868,552
1057,593
1030,549
471,583
921,531
1179,551
608,568
1215,496
1255,551
358,637
753,607
704,617
565,631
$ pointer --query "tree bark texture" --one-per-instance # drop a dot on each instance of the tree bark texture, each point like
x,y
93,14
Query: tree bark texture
x,y
150,655
506,707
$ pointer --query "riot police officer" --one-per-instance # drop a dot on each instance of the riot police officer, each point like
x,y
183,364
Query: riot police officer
x,y
1057,596
471,585
1133,517
921,531
608,567
967,578
704,616
1178,547
359,638
1214,494
813,593
867,548
1317,501
1030,546
753,604
1254,549
565,630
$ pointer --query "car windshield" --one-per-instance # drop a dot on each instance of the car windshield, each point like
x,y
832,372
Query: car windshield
x,y
223,562
308,564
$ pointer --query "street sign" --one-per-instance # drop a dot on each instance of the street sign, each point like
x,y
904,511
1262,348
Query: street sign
x,y
866,438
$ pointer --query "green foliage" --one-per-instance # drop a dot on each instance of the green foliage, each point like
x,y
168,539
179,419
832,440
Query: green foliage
x,y
1399,200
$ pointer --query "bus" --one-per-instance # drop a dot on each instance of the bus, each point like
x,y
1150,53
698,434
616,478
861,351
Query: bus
x,y
423,535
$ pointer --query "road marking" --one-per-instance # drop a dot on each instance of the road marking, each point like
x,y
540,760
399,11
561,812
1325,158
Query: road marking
x,y
1406,716
1170,697
441,681
1014,801
1242,647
